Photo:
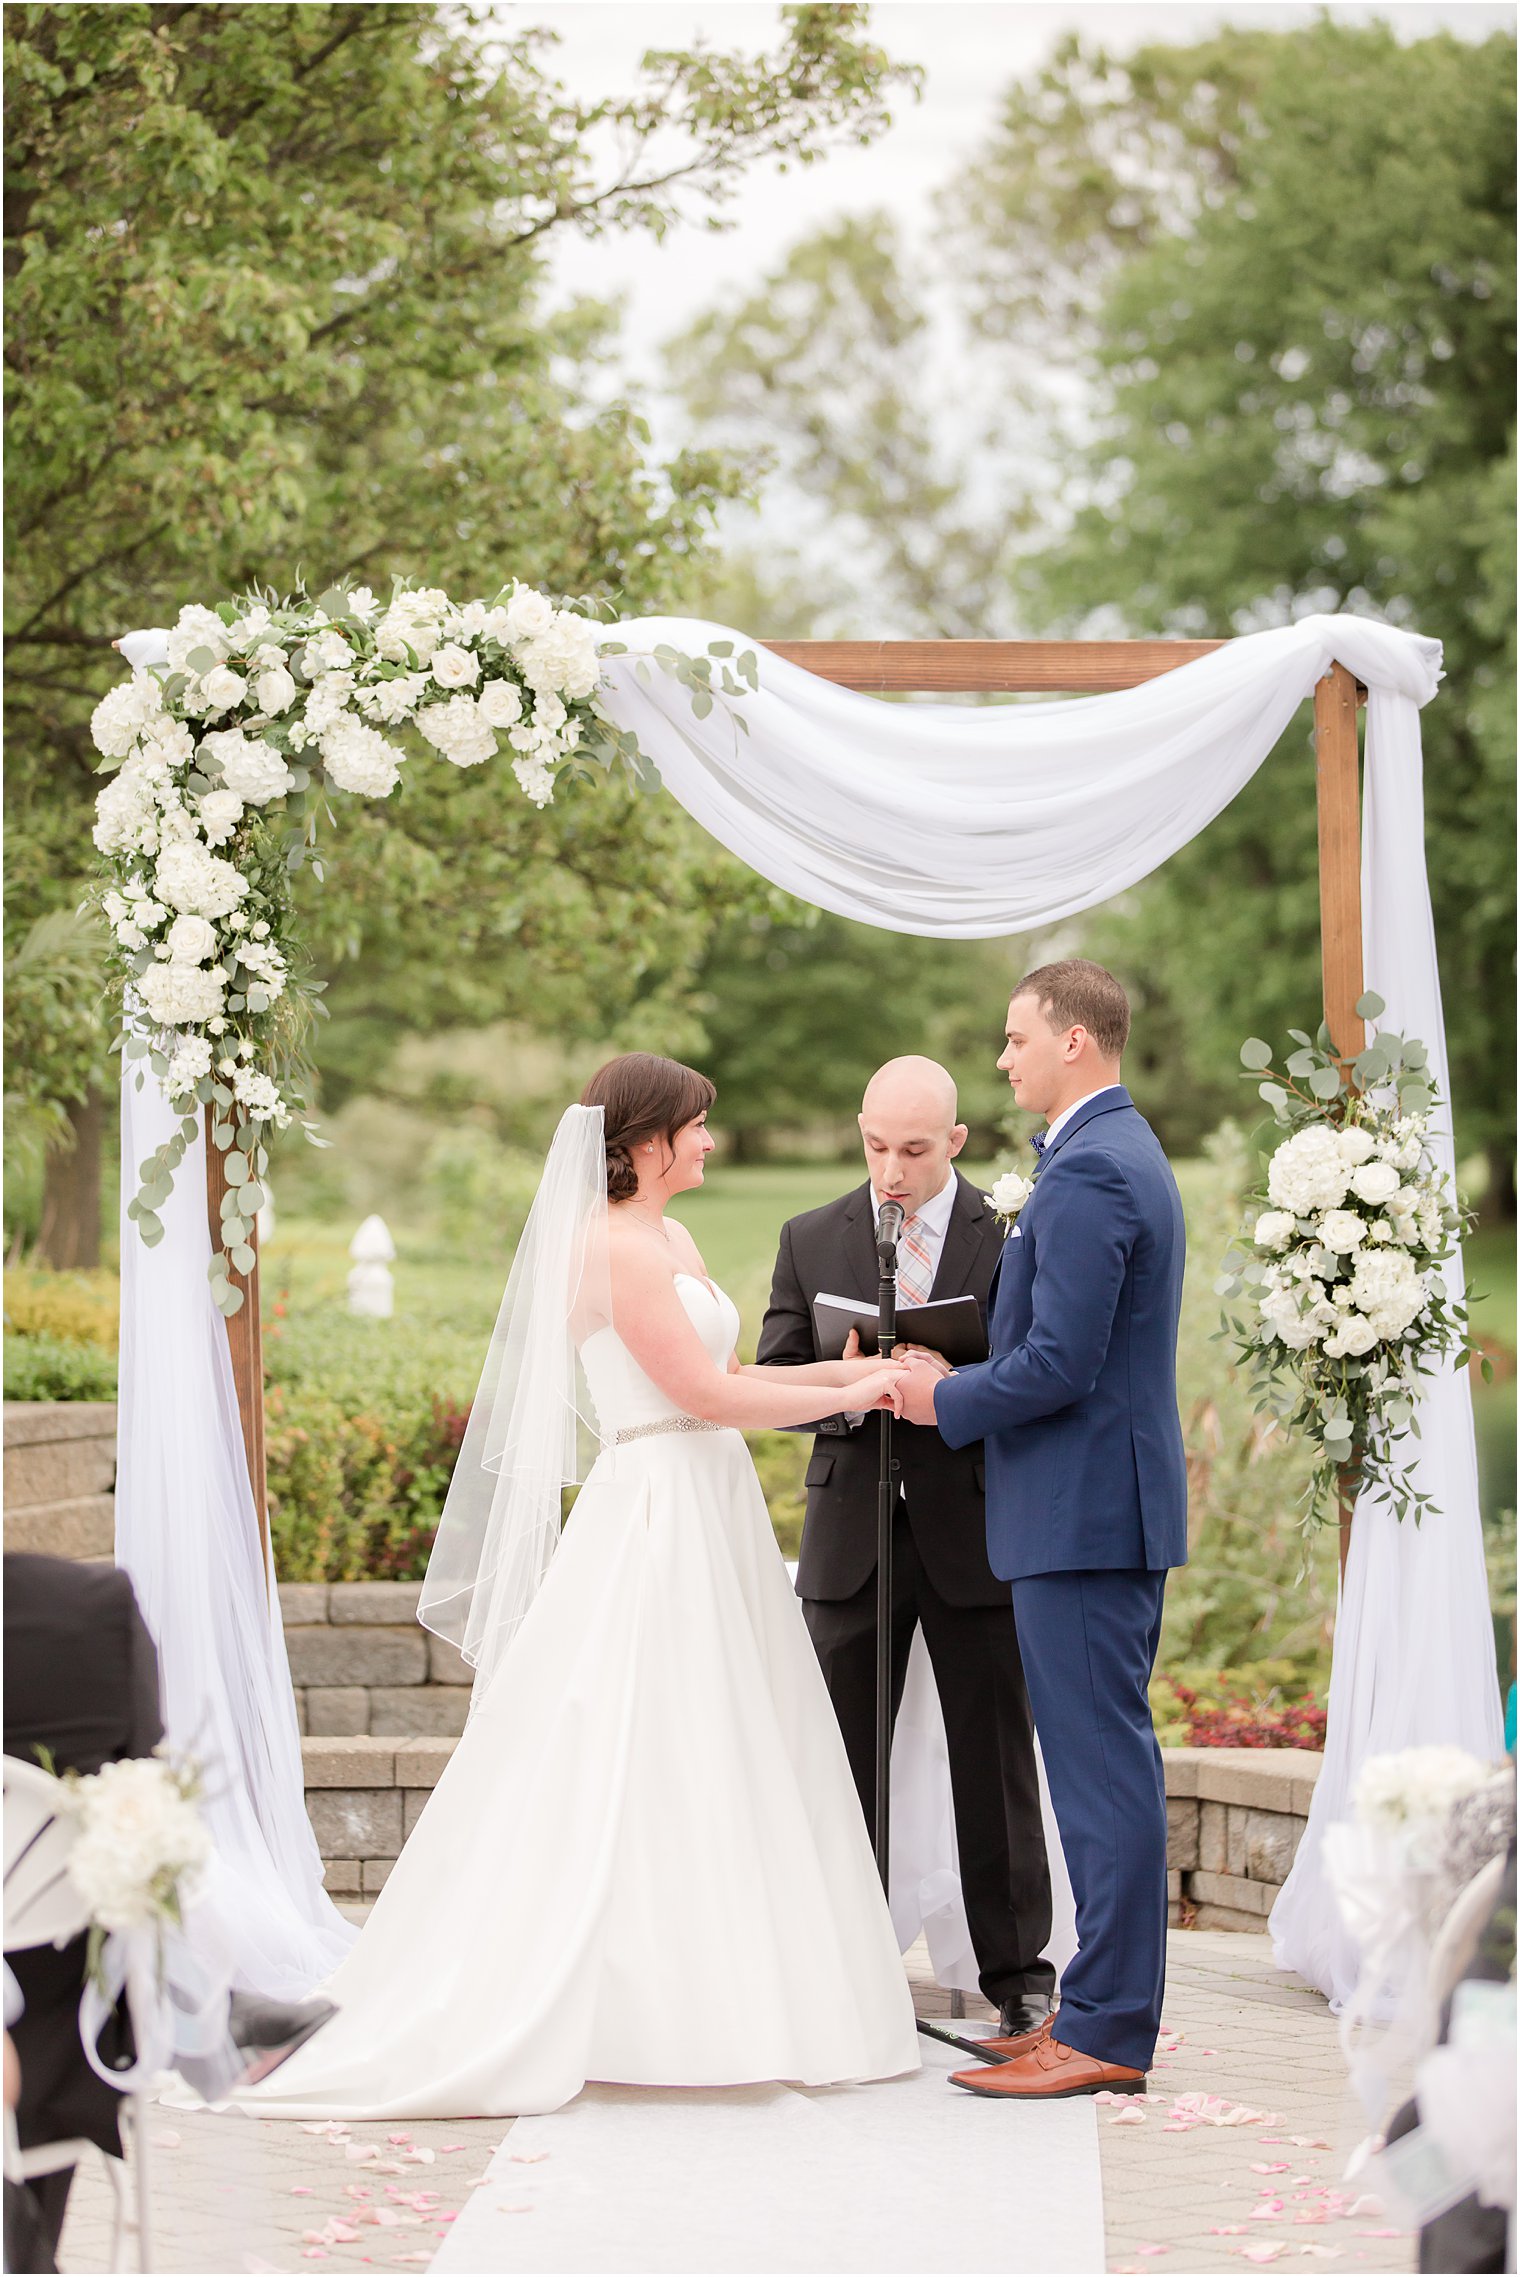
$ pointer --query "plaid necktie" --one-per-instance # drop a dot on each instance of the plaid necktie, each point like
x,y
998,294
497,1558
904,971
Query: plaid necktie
x,y
915,1267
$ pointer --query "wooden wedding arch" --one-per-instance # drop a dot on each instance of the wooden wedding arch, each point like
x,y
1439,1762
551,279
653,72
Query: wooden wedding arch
x,y
988,667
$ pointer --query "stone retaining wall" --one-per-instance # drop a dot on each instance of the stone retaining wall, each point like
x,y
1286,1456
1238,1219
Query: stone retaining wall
x,y
1235,1817
362,1667
60,1476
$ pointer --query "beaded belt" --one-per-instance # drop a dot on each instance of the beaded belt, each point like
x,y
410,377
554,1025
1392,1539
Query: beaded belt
x,y
666,1423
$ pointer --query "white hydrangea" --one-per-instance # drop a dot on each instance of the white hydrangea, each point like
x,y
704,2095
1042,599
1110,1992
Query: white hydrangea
x,y
328,701
123,712
126,814
1296,1318
198,628
177,996
534,781
190,1063
1375,1183
220,813
189,878
1356,1145
413,622
457,730
328,652
1308,1172
455,667
140,1840
1386,1285
1275,1229
359,759
191,940
549,712
1341,1231
250,627
563,658
167,743
393,700
251,768
275,690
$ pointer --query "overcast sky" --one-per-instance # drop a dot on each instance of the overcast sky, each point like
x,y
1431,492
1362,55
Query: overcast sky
x,y
970,51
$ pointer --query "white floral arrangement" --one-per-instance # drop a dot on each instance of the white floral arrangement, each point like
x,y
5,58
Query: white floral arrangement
x,y
141,1844
1336,1291
220,763
1411,1795
1008,1195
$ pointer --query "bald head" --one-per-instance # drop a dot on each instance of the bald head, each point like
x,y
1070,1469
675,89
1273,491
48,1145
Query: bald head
x,y
909,1129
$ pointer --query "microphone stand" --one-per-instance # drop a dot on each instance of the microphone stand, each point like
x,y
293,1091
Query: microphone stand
x,y
886,1497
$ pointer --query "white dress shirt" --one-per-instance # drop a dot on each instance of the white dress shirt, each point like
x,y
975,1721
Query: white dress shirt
x,y
1066,1113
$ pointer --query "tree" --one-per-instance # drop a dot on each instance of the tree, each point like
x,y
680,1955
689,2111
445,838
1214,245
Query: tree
x,y
274,309
1285,262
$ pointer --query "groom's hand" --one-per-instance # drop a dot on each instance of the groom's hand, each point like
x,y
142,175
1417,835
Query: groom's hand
x,y
917,1389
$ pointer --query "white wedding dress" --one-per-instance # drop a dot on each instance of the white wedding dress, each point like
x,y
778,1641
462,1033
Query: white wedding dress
x,y
645,1862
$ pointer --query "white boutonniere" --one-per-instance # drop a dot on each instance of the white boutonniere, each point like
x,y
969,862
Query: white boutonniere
x,y
1008,1197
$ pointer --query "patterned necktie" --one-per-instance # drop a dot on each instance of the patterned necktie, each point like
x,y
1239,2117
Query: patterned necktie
x,y
915,1267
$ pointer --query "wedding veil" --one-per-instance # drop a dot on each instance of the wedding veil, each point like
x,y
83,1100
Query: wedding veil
x,y
533,1428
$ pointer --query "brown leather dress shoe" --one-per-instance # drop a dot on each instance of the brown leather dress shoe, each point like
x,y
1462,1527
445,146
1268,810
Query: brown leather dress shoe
x,y
1002,2051
1048,2072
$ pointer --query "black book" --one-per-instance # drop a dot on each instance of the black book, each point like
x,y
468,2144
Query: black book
x,y
953,1327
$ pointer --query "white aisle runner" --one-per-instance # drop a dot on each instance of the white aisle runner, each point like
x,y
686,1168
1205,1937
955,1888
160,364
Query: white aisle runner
x,y
905,2174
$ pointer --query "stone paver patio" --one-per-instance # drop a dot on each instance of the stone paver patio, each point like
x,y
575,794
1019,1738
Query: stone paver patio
x,y
239,2195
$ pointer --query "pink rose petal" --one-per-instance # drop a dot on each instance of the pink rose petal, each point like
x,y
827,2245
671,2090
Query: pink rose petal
x,y
1269,2166
1153,2249
1129,2118
1263,2252
1227,2229
1308,2142
532,2157
302,2190
1380,2233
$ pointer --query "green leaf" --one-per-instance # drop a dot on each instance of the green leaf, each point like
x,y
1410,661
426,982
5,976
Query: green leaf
x,y
1370,1006
720,648
253,1198
243,1258
235,1167
151,1229
334,602
201,660
229,1298
1325,1083
1274,1095
701,703
1254,1054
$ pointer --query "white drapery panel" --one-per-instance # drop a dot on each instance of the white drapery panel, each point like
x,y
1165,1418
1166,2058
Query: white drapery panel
x,y
933,819
188,1534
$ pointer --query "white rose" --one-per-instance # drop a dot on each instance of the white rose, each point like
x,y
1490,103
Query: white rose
x,y
1375,1182
1356,1145
190,879
1353,1335
1010,1193
177,995
220,813
275,690
1275,1229
221,690
1341,1231
191,940
455,667
529,613
499,703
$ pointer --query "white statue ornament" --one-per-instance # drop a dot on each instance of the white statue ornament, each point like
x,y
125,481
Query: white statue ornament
x,y
371,1284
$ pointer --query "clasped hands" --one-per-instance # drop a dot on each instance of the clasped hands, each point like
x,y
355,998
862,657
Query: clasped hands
x,y
909,1388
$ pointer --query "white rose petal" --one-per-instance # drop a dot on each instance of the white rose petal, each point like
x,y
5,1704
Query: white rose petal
x,y
1356,1145
1375,1182
275,690
220,813
455,667
191,940
221,690
1275,1229
1341,1231
500,703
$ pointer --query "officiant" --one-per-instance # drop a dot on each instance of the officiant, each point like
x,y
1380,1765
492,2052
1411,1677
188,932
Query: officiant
x,y
941,1580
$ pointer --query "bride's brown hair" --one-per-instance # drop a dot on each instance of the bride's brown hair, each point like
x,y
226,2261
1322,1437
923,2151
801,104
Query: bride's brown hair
x,y
643,1097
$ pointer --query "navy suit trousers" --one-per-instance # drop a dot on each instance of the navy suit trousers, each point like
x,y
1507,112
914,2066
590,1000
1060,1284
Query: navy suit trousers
x,y
1089,1644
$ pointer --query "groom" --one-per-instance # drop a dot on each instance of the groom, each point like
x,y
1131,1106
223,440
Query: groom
x,y
1086,1507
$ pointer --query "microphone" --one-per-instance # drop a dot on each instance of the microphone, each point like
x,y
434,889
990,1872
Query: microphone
x,y
889,1225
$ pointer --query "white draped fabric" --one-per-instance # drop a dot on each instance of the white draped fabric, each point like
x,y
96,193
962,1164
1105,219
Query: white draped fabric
x,y
950,822
187,1533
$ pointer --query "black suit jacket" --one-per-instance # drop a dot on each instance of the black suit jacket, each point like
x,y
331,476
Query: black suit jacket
x,y
832,1251
81,1678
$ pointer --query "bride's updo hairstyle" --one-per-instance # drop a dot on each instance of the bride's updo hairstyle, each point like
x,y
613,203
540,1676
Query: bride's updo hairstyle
x,y
643,1097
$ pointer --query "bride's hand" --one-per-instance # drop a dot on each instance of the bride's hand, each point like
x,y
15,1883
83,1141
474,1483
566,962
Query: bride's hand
x,y
882,1387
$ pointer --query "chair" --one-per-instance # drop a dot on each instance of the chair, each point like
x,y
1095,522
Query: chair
x,y
42,1907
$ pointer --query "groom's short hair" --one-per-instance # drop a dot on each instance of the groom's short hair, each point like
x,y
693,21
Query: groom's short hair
x,y
1079,994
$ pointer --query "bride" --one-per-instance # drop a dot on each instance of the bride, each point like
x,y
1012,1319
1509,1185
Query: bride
x,y
645,1862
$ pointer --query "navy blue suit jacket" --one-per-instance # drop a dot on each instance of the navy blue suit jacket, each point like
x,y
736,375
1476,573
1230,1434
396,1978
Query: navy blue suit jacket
x,y
1078,1403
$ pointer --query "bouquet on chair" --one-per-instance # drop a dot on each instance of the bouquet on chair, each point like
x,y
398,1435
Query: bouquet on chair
x,y
1336,1292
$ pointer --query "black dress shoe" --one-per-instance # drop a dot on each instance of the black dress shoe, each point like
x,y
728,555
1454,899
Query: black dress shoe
x,y
1025,2012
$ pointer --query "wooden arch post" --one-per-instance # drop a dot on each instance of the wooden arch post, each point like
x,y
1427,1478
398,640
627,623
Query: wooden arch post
x,y
990,667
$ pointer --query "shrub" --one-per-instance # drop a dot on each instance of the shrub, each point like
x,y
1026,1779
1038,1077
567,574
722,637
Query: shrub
x,y
74,1308
1262,1704
51,1367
